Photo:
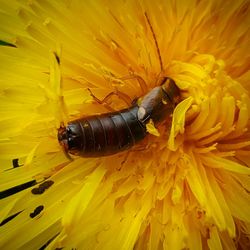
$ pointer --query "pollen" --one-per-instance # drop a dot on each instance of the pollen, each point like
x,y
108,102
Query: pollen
x,y
151,128
164,101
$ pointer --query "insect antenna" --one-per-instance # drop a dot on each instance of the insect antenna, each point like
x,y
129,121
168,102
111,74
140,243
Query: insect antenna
x,y
155,40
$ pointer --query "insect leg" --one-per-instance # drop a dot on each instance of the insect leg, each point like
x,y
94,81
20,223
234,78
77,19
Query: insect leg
x,y
106,105
121,95
118,93
139,79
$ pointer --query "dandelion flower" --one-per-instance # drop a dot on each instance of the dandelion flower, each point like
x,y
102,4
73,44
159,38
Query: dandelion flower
x,y
186,186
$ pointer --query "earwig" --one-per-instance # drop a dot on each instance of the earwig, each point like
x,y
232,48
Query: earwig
x,y
113,132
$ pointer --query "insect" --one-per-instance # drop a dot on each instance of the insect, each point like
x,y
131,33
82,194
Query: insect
x,y
113,132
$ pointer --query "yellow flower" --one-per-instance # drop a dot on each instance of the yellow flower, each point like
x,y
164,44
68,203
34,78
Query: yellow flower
x,y
186,188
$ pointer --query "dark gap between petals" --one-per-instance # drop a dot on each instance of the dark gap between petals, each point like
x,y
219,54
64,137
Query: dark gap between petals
x,y
48,242
37,211
3,43
16,189
15,163
42,187
11,217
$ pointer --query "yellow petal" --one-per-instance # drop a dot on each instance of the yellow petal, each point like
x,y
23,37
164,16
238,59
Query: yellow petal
x,y
152,129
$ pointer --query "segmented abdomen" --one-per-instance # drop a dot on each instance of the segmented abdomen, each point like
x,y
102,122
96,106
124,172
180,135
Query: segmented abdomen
x,y
106,134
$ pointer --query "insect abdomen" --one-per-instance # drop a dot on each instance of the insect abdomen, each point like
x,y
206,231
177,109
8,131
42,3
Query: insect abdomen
x,y
110,133
105,134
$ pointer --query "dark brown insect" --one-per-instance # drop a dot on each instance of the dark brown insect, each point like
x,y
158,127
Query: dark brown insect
x,y
110,133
